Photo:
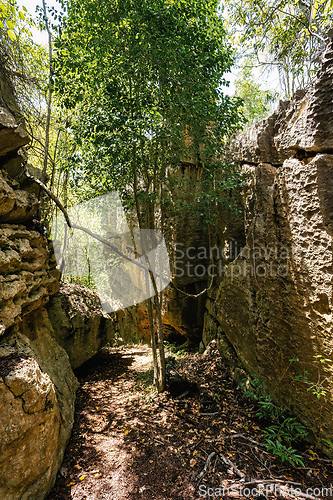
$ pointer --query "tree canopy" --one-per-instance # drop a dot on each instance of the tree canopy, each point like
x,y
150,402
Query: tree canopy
x,y
289,35
144,78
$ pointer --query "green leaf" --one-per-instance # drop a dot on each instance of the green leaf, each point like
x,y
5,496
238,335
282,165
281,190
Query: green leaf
x,y
11,35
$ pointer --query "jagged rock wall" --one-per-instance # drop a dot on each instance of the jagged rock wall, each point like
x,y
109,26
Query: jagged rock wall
x,y
272,313
37,383
37,394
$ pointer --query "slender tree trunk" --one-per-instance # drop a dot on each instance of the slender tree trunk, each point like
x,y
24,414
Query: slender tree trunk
x,y
49,96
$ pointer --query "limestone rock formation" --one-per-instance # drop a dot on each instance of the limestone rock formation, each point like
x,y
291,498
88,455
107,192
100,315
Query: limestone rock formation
x,y
37,393
257,144
12,135
79,323
310,122
27,277
272,312
37,384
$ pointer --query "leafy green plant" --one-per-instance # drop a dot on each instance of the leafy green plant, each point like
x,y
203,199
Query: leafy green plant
x,y
283,430
288,430
323,384
328,442
176,350
287,454
251,388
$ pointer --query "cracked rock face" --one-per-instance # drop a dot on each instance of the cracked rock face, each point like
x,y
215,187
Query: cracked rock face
x,y
275,301
79,323
12,135
309,125
37,393
26,274
37,384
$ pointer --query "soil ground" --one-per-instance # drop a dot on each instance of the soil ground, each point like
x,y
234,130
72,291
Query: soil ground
x,y
129,443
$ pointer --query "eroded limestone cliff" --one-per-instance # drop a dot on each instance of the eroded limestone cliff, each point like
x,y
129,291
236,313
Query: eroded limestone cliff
x,y
272,312
37,383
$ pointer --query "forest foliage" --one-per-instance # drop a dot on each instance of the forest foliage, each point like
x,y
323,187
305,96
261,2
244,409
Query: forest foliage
x,y
130,91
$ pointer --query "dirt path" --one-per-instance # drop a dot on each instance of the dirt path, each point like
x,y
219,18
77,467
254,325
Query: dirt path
x,y
129,443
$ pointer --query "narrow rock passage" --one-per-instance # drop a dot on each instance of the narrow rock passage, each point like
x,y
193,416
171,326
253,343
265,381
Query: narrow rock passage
x,y
129,443
119,448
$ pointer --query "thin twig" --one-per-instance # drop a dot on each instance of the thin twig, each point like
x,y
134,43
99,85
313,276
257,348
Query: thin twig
x,y
233,436
75,226
159,442
207,414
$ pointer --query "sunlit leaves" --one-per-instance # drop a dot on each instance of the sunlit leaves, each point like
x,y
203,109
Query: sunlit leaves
x,y
141,77
285,34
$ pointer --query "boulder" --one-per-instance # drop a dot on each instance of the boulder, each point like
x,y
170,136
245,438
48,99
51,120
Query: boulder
x,y
80,325
37,393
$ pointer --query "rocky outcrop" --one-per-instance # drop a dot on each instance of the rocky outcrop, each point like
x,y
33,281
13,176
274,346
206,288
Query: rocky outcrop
x,y
37,393
309,123
37,384
27,276
272,312
12,135
303,123
257,143
80,325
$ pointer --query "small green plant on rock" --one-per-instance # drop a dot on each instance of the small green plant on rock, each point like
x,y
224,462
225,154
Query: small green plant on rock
x,y
323,385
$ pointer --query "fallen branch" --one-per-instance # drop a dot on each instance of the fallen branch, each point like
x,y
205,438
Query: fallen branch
x,y
48,192
206,414
159,442
232,465
204,471
259,481
75,226
318,459
233,436
284,487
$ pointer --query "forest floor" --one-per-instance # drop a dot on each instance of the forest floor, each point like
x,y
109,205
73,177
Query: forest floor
x,y
129,443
